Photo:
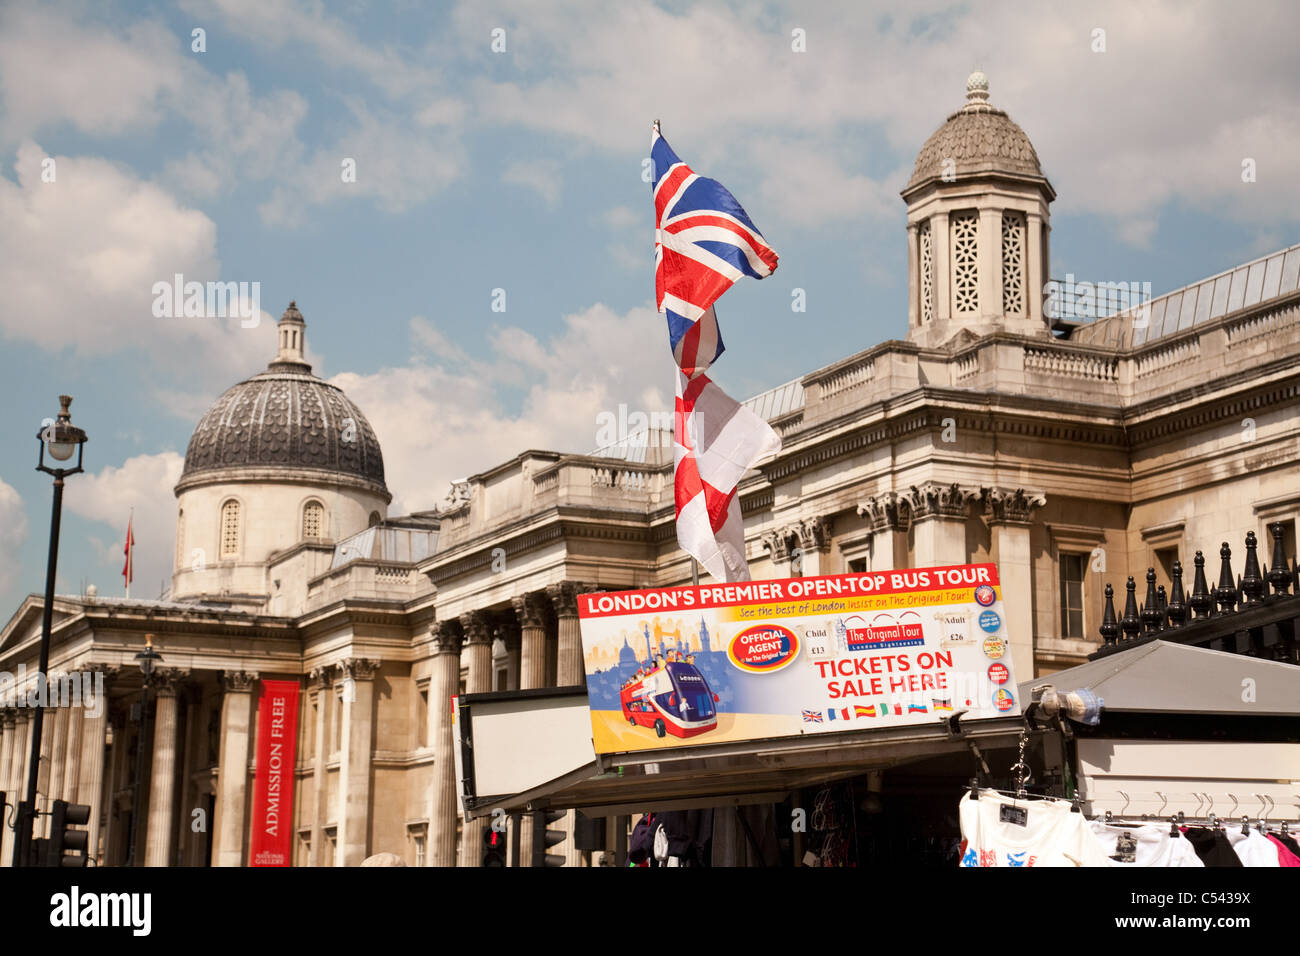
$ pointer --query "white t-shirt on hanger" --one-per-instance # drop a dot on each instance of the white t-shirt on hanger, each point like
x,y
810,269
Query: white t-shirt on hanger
x,y
1051,834
1148,844
1252,848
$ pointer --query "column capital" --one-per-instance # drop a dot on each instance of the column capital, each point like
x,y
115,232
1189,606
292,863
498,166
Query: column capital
x,y
445,637
238,682
934,499
779,542
475,627
529,610
887,511
564,596
318,678
167,680
357,668
9,716
1010,506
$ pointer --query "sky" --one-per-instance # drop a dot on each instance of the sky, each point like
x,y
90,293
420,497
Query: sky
x,y
453,195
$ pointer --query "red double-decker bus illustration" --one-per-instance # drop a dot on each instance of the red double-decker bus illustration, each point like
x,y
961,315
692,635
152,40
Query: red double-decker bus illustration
x,y
672,699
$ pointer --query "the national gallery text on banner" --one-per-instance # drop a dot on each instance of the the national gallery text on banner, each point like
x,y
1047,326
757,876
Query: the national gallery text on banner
x,y
669,667
277,740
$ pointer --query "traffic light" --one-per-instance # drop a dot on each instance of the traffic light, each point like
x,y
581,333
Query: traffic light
x,y
588,832
64,818
544,838
494,847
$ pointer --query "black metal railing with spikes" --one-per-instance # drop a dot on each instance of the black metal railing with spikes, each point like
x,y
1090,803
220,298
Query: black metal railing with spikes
x,y
1252,613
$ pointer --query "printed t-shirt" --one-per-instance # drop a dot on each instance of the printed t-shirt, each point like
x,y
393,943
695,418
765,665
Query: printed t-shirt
x,y
1052,834
1149,845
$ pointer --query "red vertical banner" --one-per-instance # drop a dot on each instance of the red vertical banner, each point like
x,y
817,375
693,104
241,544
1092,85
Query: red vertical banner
x,y
277,744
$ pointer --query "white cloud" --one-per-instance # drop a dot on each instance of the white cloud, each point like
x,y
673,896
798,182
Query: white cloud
x,y
143,483
465,426
1121,134
13,534
542,176
394,165
78,260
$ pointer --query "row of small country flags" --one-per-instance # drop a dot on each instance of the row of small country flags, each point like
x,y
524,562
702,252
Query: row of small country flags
x,y
883,709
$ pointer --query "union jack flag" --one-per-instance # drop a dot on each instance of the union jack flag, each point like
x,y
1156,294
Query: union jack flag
x,y
812,716
704,242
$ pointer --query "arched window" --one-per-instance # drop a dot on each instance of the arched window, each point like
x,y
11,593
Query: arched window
x,y
927,271
180,537
313,519
374,518
1013,263
230,529
963,228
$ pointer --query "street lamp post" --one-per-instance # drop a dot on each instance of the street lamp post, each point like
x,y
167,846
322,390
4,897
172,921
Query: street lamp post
x,y
148,660
61,439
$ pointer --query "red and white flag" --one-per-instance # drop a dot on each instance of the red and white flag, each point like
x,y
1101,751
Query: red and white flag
x,y
128,569
716,441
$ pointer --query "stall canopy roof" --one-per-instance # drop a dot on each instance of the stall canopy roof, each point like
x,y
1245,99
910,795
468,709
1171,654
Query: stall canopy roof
x,y
1161,677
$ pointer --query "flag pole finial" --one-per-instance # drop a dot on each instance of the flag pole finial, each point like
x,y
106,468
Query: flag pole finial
x,y
656,126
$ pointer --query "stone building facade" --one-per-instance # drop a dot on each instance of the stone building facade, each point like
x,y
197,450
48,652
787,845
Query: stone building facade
x,y
1067,453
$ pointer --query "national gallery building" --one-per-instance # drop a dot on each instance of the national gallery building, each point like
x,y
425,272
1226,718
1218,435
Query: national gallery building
x,y
1068,453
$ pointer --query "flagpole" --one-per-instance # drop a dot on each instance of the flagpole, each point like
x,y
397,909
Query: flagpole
x,y
695,572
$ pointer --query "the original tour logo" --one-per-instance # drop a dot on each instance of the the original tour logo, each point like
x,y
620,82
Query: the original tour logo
x,y
985,595
881,631
763,648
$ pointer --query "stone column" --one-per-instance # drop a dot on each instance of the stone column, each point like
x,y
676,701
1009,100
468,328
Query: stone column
x,y
355,757
48,732
569,671
989,254
478,649
90,770
532,623
162,774
8,770
72,756
1009,513
320,693
889,516
913,278
111,835
1036,267
444,682
532,674
939,240
58,730
939,514
232,768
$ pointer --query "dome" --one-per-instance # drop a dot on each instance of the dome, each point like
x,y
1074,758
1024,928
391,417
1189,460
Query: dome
x,y
979,139
286,420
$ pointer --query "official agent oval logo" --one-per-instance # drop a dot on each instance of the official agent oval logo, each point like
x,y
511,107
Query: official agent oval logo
x,y
763,648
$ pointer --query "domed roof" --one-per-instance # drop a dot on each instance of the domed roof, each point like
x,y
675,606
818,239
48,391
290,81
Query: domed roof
x,y
978,138
287,420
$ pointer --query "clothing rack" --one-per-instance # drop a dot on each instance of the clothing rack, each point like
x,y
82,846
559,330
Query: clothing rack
x,y
1198,807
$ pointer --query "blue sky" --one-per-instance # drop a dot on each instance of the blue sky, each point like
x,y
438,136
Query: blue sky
x,y
520,169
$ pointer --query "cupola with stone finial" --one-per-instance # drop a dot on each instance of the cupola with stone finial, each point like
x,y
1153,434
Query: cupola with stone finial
x,y
977,228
